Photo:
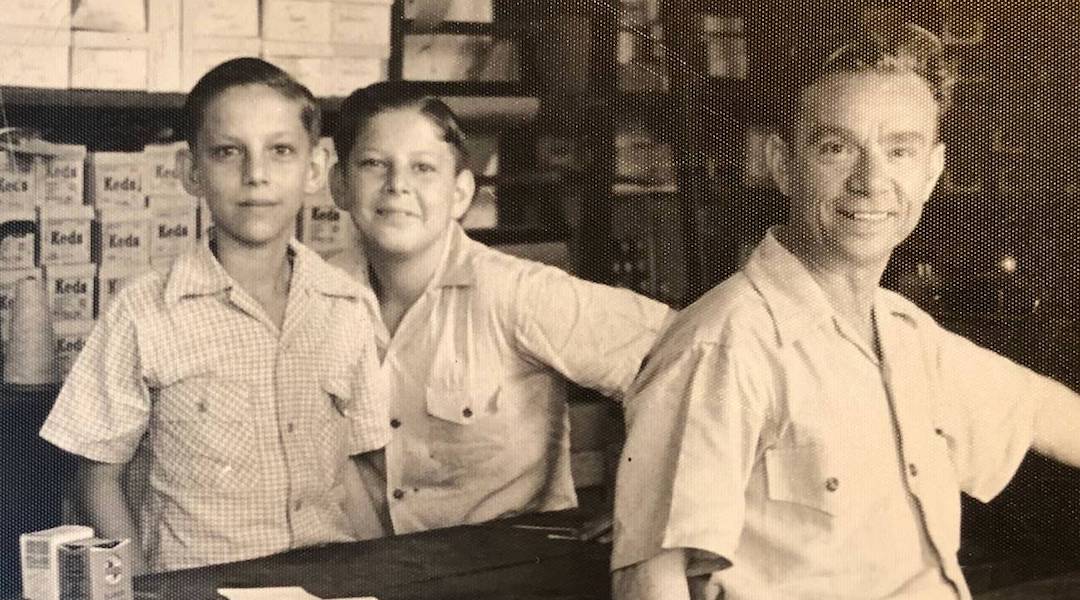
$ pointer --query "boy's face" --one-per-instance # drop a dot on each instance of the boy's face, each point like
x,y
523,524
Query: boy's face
x,y
400,183
863,161
253,162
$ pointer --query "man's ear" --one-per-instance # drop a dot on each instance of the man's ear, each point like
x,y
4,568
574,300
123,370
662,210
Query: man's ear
x,y
778,160
318,165
937,166
464,189
189,172
338,190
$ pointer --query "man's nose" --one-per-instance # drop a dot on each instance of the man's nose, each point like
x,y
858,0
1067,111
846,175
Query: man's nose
x,y
397,179
870,175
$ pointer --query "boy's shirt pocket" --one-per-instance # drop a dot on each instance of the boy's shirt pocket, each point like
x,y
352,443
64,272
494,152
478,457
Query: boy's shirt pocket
x,y
203,434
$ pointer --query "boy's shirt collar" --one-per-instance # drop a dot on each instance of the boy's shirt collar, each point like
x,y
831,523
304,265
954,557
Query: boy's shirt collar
x,y
197,272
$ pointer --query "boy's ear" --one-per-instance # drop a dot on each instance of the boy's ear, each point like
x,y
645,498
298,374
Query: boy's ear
x,y
464,189
338,191
318,165
189,172
778,160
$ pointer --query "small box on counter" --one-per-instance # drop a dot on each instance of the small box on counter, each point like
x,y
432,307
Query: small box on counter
x,y
110,61
70,337
65,235
96,569
112,279
326,229
18,181
35,56
40,552
123,237
18,238
174,226
114,180
70,291
160,175
61,174
9,283
234,18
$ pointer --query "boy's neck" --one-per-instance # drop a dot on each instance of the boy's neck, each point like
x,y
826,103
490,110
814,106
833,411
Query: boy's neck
x,y
399,281
263,271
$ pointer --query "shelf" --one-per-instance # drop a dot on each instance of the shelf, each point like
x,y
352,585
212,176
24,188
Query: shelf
x,y
506,235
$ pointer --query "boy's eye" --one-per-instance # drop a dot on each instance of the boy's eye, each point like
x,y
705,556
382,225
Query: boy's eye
x,y
902,152
223,152
424,167
284,150
371,163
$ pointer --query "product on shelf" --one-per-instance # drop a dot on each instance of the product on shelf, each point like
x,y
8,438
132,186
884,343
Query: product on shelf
x,y
199,54
109,15
114,180
9,285
174,224
160,174
18,237
466,11
239,18
65,235
18,183
326,229
40,551
111,279
70,291
69,338
28,355
61,173
123,237
164,25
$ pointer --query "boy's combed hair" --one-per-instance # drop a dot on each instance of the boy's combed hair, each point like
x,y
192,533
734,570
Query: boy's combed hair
x,y
240,72
365,103
900,48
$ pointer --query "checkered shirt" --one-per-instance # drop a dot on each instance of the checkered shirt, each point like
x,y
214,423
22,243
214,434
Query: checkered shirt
x,y
246,429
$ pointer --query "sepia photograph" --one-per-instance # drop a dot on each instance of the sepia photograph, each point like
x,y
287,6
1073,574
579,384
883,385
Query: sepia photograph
x,y
540,300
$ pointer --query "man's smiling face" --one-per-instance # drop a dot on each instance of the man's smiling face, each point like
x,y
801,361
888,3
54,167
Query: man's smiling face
x,y
863,160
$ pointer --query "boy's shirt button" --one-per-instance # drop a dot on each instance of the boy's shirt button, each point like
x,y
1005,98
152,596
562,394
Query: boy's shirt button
x,y
399,494
395,423
832,484
290,427
298,505
467,412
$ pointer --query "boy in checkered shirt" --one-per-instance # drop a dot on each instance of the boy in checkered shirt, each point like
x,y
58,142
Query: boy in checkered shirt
x,y
244,377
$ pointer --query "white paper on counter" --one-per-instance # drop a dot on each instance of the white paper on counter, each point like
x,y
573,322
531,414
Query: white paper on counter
x,y
277,593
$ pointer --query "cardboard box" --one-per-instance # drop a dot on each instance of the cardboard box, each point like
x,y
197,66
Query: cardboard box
x,y
9,283
109,15
323,50
70,337
18,239
48,14
200,54
115,180
326,229
112,279
226,18
61,175
365,24
40,559
110,61
64,235
160,175
35,57
70,291
174,226
123,237
164,26
466,11
332,76
18,180
96,569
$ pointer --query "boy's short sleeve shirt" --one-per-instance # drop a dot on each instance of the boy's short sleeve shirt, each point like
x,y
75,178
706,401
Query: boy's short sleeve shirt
x,y
732,456
244,431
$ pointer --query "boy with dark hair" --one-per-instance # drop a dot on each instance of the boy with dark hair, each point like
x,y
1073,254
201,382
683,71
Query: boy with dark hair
x,y
245,375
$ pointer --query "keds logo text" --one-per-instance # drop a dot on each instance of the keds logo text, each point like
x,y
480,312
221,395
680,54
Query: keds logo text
x,y
126,184
8,186
74,345
176,231
123,241
72,238
62,170
163,172
324,214
70,287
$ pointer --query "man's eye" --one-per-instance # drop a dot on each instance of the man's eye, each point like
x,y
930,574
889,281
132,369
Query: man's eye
x,y
284,150
833,148
425,168
902,152
371,163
